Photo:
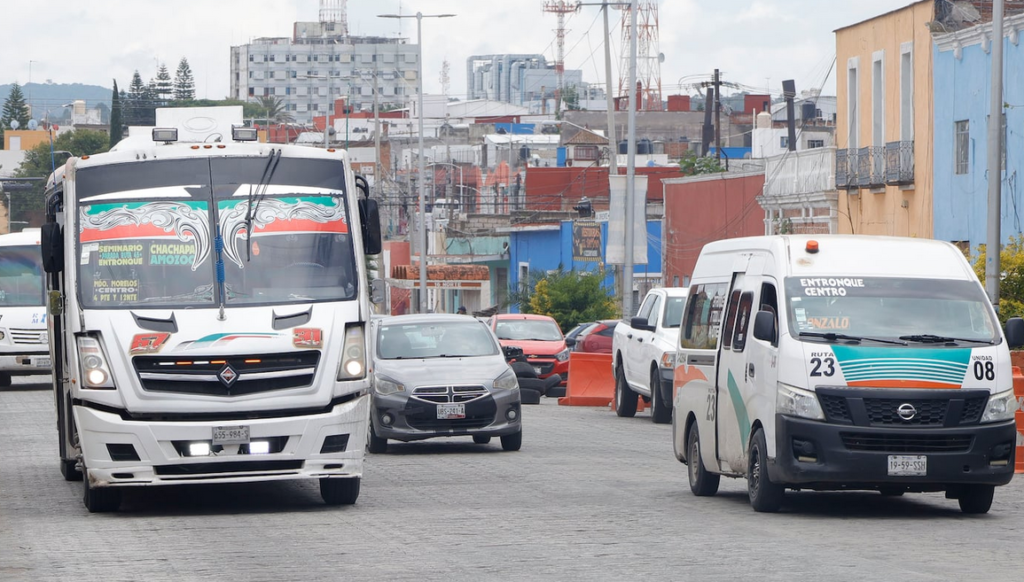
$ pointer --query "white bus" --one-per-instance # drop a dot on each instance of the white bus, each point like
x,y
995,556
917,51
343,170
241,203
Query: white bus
x,y
23,342
207,315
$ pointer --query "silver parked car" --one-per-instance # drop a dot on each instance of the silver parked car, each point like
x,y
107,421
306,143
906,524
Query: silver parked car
x,y
441,376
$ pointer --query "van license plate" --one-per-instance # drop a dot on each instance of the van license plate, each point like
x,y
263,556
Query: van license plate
x,y
451,411
41,362
230,435
908,465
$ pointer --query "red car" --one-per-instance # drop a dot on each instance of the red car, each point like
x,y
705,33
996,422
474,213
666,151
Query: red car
x,y
540,338
597,339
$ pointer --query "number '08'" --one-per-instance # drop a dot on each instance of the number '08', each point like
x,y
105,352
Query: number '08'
x,y
984,370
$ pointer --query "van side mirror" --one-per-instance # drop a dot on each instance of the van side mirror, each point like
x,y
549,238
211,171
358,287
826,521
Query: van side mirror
x,y
1014,331
640,323
51,247
764,326
369,217
377,291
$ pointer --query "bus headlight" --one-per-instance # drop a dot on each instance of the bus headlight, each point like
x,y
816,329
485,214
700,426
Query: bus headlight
x,y
353,355
797,402
1000,407
95,372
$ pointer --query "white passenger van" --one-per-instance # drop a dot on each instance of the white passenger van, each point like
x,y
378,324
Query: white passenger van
x,y
23,340
843,362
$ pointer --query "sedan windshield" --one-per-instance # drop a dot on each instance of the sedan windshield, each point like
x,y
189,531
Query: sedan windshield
x,y
880,308
527,329
148,233
434,340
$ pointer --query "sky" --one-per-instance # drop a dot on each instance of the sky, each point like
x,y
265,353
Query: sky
x,y
756,43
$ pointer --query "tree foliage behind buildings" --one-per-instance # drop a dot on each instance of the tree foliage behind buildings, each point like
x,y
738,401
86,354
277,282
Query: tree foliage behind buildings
x,y
15,109
1011,283
570,297
116,121
691,165
184,83
163,87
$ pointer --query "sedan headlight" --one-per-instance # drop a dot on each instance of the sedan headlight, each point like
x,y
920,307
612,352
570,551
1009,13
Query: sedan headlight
x,y
796,402
385,385
1000,407
562,355
95,372
507,381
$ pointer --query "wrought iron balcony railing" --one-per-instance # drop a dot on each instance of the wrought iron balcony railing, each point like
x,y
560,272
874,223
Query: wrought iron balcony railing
x,y
845,173
899,163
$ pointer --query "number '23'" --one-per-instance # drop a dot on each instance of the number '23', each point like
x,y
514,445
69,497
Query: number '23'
x,y
828,363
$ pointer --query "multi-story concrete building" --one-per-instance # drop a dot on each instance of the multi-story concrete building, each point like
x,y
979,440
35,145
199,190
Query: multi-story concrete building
x,y
519,79
321,63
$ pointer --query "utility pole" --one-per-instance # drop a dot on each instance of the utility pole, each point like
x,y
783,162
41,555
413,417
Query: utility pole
x,y
718,117
995,181
627,263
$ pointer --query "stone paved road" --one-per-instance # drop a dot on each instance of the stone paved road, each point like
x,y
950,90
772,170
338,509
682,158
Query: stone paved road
x,y
589,497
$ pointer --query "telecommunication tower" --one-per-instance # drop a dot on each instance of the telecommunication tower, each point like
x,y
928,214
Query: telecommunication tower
x,y
560,8
335,11
648,57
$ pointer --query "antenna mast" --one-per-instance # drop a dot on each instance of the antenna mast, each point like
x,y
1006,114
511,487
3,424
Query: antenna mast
x,y
560,8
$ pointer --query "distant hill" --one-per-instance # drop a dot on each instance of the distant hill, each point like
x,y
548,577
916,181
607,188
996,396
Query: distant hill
x,y
54,95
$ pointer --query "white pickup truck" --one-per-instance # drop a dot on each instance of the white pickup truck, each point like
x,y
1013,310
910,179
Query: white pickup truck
x,y
644,351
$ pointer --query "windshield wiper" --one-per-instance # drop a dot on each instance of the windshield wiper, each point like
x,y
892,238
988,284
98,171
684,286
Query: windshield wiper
x,y
258,195
455,355
941,339
201,292
829,336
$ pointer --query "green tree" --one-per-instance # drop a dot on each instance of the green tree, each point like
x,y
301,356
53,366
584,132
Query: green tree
x,y
15,109
273,110
39,162
568,296
691,165
116,125
163,87
184,84
1011,283
139,108
571,96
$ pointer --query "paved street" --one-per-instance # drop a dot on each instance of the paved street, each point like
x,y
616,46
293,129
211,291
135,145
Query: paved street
x,y
589,497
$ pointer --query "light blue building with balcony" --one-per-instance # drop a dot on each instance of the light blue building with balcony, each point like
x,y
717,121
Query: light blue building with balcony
x,y
962,86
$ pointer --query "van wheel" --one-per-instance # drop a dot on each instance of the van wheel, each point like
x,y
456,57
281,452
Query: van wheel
x,y
702,482
976,499
101,499
339,491
374,443
625,399
5,379
661,411
765,496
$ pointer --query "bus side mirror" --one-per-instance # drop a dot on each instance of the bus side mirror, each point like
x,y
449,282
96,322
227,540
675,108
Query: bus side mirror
x,y
51,246
369,217
764,326
377,291
1014,332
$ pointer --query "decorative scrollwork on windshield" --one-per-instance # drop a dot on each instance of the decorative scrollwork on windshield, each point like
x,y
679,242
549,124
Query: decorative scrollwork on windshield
x,y
181,220
232,220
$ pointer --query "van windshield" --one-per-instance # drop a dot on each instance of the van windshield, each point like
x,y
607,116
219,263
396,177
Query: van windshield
x,y
21,277
889,307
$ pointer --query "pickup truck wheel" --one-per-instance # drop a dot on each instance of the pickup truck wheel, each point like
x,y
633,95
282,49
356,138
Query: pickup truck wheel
x,y
702,482
625,399
339,491
661,411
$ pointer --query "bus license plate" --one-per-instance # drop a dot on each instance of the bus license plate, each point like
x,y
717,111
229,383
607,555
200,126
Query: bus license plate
x,y
230,435
451,411
908,465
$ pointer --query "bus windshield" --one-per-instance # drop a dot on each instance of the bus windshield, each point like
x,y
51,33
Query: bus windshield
x,y
148,233
21,277
889,308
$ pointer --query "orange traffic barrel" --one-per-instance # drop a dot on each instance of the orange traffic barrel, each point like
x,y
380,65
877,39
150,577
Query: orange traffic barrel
x,y
1018,391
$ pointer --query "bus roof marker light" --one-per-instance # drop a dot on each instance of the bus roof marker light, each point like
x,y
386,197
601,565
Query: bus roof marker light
x,y
244,133
812,246
165,135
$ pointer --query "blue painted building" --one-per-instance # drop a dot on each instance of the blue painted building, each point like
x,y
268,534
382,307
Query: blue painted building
x,y
962,63
545,247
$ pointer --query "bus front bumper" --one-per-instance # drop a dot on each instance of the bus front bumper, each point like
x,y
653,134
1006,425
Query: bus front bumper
x,y
818,455
119,452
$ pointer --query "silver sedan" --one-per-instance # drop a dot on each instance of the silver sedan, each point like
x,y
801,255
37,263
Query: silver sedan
x,y
441,376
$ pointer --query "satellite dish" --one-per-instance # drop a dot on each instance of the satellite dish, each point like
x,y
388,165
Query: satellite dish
x,y
33,124
15,124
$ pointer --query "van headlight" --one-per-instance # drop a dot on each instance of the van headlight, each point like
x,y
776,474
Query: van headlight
x,y
353,355
507,381
385,385
797,402
93,365
562,355
1000,406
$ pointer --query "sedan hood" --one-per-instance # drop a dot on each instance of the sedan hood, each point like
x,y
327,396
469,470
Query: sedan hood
x,y
536,347
412,373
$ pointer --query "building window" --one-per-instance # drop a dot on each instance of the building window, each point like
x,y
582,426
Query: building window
x,y
852,99
815,143
878,99
907,93
962,143
585,153
784,142
272,58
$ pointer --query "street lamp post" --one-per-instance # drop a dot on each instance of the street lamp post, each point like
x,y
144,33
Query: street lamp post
x,y
419,16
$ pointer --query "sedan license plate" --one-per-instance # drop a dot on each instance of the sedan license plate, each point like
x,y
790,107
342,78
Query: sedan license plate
x,y
451,411
41,362
230,435
908,465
